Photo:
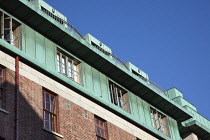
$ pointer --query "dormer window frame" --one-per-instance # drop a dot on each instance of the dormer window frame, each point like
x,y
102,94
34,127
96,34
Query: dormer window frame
x,y
69,66
119,96
10,29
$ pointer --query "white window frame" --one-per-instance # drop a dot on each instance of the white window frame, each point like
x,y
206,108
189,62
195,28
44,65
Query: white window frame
x,y
10,29
159,121
69,67
119,96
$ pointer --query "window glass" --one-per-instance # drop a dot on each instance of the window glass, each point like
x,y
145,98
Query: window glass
x,y
10,30
58,63
100,129
49,111
69,67
119,96
159,121
64,65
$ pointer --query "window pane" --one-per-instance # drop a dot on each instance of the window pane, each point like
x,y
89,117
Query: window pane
x,y
53,120
53,127
97,121
43,102
69,68
47,117
47,97
159,121
75,73
64,65
52,100
47,125
98,131
101,124
6,21
53,109
102,133
120,102
119,97
47,106
58,62
43,95
6,35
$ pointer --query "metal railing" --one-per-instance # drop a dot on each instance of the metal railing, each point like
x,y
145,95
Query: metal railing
x,y
114,57
157,87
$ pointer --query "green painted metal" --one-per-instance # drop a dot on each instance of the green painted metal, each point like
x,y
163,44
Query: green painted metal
x,y
50,54
30,42
173,93
66,81
134,107
198,123
23,37
42,52
88,83
173,128
96,83
104,87
193,125
146,108
72,43
142,113
40,48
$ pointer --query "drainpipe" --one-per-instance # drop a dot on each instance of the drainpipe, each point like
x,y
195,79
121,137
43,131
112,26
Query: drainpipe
x,y
16,97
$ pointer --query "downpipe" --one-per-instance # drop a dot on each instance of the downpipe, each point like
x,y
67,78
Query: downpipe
x,y
17,98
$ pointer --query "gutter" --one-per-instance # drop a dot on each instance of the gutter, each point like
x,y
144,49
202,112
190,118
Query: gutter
x,y
16,97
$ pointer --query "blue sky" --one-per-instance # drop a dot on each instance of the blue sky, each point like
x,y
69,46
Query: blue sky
x,y
169,40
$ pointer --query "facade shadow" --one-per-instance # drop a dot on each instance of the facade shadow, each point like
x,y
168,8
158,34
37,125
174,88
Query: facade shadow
x,y
29,111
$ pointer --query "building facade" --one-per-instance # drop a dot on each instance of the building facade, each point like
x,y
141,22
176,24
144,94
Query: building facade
x,y
56,84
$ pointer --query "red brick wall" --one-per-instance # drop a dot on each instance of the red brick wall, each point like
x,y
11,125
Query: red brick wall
x,y
7,120
116,133
73,125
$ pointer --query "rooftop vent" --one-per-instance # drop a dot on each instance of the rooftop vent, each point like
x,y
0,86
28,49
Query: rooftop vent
x,y
50,11
137,71
98,44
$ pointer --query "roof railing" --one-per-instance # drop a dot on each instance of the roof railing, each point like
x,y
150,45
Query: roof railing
x,y
114,57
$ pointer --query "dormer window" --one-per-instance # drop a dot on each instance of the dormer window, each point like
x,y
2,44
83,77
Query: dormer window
x,y
10,30
159,121
119,96
68,66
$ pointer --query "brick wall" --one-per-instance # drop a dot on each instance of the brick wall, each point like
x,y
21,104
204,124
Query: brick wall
x,y
73,125
115,133
7,120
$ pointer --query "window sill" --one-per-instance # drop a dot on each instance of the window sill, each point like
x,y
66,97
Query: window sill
x,y
2,110
53,132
